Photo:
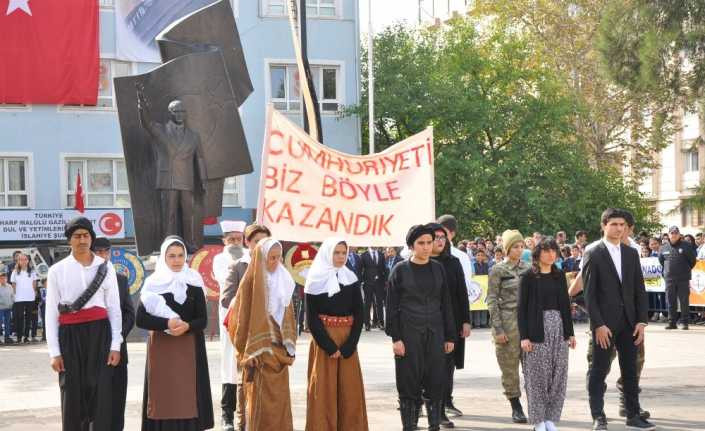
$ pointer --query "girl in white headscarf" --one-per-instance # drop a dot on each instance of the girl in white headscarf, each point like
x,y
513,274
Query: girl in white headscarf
x,y
177,393
334,313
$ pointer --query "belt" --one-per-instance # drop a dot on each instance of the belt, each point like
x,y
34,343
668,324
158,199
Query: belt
x,y
83,315
336,321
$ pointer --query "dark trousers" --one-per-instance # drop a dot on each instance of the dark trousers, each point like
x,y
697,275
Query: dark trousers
x,y
380,298
678,291
450,375
5,318
368,292
22,312
623,340
34,320
119,396
423,366
179,211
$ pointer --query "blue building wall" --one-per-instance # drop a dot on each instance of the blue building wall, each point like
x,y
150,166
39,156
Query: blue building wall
x,y
47,132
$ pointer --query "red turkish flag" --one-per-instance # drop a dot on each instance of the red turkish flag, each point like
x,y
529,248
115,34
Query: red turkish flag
x,y
49,51
80,205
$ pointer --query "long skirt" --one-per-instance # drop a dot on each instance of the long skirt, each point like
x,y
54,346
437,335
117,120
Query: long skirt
x,y
336,394
177,392
546,371
86,385
267,396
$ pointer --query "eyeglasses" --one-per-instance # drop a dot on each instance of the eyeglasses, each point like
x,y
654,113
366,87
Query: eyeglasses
x,y
440,238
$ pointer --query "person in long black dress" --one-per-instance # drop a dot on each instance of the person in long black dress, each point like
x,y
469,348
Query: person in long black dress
x,y
336,394
460,307
177,392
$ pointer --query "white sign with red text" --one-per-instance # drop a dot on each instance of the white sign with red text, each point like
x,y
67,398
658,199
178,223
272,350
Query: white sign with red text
x,y
309,191
47,225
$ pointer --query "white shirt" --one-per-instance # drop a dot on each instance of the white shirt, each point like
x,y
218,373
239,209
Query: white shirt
x,y
221,263
616,255
464,262
24,285
66,281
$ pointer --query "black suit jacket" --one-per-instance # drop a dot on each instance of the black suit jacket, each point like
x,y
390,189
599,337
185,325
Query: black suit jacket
x,y
374,274
356,265
607,298
128,315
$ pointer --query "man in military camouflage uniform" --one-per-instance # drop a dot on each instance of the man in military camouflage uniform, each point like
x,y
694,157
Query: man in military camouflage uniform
x,y
503,289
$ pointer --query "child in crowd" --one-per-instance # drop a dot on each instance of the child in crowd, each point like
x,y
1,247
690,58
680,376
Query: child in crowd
x,y
7,299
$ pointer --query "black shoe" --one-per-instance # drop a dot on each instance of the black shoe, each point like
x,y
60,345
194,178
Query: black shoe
x,y
452,410
671,326
684,326
599,424
518,416
227,426
637,423
644,414
367,328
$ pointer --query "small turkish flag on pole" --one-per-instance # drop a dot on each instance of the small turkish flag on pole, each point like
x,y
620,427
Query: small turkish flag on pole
x,y
80,206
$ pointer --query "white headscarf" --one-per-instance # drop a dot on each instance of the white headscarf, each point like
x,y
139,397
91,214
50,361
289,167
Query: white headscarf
x,y
280,284
164,280
323,276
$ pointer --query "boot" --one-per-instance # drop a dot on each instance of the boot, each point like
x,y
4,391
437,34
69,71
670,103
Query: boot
x,y
407,410
518,416
433,408
445,422
227,404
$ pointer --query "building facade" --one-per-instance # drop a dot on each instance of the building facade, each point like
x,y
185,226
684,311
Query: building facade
x,y
681,167
43,147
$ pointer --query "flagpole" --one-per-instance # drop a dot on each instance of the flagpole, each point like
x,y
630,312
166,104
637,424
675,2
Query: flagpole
x,y
370,80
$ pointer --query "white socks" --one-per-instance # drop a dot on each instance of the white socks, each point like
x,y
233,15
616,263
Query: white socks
x,y
540,427
550,426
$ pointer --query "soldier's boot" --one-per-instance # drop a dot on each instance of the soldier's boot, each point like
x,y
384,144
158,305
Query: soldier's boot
x,y
227,404
644,414
407,410
434,408
518,416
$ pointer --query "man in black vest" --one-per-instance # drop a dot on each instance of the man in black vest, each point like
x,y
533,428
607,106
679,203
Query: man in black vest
x,y
617,304
374,277
101,247
678,259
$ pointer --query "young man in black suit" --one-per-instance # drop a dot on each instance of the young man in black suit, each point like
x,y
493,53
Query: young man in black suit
x,y
101,247
374,277
617,304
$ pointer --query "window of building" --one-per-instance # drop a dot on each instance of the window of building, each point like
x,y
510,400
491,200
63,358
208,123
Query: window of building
x,y
691,161
14,106
285,92
107,4
109,69
231,192
314,8
104,182
14,180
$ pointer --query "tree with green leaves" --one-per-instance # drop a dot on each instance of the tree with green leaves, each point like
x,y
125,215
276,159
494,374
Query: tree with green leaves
x,y
507,152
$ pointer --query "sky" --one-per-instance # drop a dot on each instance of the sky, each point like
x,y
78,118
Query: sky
x,y
386,12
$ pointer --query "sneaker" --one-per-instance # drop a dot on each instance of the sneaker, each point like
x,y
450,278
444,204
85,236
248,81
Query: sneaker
x,y
550,426
637,423
599,424
452,410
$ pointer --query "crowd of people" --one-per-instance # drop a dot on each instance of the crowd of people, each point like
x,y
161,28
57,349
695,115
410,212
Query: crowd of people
x,y
418,296
22,302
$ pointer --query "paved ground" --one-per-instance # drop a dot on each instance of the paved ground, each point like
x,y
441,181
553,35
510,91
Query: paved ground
x,y
673,385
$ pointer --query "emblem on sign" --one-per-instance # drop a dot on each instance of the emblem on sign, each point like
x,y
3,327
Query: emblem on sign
x,y
128,264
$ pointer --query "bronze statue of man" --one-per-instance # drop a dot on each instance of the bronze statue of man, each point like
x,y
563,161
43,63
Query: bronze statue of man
x,y
181,170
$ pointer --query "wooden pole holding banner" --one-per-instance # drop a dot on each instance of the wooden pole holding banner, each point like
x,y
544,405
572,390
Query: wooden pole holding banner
x,y
312,116
370,81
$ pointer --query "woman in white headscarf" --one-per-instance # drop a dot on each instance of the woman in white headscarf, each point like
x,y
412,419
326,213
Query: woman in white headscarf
x,y
263,330
336,394
177,393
